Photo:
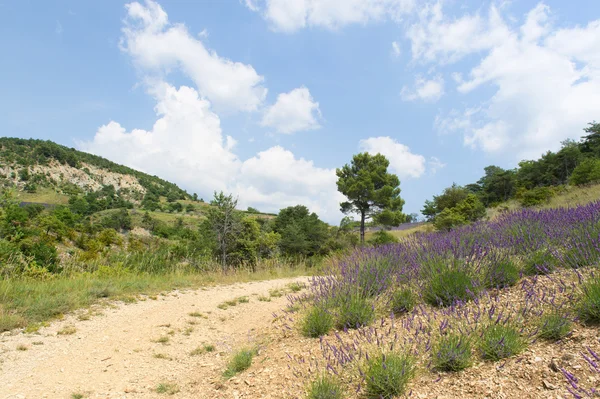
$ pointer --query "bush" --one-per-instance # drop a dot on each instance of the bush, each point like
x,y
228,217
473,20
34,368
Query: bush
x,y
500,341
540,262
452,353
554,326
403,301
382,237
449,284
448,219
42,252
355,311
588,307
536,196
239,362
502,274
388,375
587,171
317,322
325,387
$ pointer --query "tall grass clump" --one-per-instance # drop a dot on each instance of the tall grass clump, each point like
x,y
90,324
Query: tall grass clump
x,y
502,274
387,375
403,301
317,322
554,326
588,306
325,387
499,341
239,362
448,284
354,311
452,353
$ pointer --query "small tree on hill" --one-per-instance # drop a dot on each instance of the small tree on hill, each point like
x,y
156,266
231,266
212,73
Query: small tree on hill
x,y
372,192
225,222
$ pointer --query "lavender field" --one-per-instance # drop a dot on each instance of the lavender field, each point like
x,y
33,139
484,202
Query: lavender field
x,y
438,303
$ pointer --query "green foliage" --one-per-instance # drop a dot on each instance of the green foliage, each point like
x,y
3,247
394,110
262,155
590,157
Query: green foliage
x,y
239,362
588,171
448,219
252,210
447,284
371,190
454,207
539,262
224,221
554,326
354,311
504,273
302,232
388,375
588,306
382,237
452,353
496,185
536,196
499,341
317,322
41,251
403,301
325,387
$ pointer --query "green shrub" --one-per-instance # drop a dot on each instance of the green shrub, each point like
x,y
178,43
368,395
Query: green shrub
x,y
554,326
9,322
325,387
588,171
403,301
500,341
540,262
536,196
502,274
448,219
387,375
452,353
449,284
317,322
355,311
239,362
382,237
588,307
42,252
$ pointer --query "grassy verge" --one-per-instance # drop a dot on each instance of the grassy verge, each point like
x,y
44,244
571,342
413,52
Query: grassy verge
x,y
25,301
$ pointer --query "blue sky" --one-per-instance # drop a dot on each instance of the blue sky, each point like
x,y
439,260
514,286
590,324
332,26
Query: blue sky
x,y
265,98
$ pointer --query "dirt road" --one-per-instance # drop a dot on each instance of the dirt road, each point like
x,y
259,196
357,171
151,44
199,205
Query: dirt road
x,y
127,350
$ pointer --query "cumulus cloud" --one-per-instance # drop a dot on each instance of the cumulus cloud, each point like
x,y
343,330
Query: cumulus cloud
x,y
293,112
290,16
402,161
546,80
157,47
429,90
186,145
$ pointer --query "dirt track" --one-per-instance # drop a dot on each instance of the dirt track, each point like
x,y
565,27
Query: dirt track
x,y
112,355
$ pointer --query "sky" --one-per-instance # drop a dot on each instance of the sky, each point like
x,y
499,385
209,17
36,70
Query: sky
x,y
264,99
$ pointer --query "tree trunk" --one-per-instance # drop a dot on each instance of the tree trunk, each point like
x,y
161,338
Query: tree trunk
x,y
362,227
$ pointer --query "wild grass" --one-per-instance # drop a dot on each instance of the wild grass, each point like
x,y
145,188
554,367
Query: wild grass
x,y
239,362
162,356
67,330
202,349
167,388
26,301
22,348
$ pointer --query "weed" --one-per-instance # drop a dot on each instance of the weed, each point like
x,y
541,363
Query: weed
x,y
37,343
317,322
77,395
162,356
500,341
387,375
197,314
296,287
188,331
67,330
554,326
22,347
243,299
162,340
239,362
209,347
263,298
169,389
276,293
9,322
452,353
202,349
325,387
403,301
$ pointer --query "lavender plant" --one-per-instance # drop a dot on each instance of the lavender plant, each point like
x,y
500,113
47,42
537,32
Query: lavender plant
x,y
325,387
554,326
388,375
317,322
588,308
499,341
452,353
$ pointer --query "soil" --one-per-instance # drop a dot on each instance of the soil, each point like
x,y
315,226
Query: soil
x,y
113,355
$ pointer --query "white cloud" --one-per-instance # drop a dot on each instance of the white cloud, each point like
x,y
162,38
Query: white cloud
x,y
187,146
291,15
427,90
157,47
59,28
434,164
293,112
546,81
396,49
402,162
251,4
